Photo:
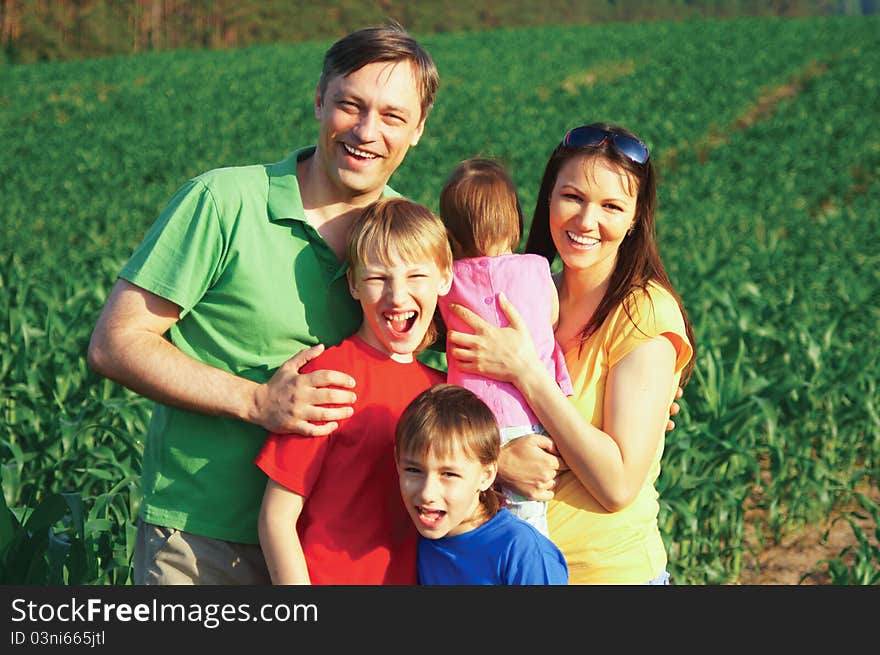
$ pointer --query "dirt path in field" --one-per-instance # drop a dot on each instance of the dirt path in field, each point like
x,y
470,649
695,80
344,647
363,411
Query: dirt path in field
x,y
799,554
761,110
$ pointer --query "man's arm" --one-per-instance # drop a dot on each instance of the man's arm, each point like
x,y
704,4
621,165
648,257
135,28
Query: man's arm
x,y
128,346
278,536
529,465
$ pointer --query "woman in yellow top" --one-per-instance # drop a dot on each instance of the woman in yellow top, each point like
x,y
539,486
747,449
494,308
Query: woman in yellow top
x,y
628,345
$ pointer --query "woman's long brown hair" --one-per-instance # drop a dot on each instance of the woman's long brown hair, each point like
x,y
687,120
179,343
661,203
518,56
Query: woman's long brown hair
x,y
638,260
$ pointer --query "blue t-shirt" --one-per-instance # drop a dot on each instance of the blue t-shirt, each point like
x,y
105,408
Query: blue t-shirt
x,y
503,551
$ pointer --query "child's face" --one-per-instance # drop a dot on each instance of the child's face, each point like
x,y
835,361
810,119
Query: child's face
x,y
442,494
398,301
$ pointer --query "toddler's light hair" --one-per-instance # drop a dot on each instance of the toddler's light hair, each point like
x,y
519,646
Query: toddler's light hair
x,y
480,208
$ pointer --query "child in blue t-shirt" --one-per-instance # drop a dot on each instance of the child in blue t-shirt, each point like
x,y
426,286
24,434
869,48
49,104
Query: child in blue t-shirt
x,y
446,445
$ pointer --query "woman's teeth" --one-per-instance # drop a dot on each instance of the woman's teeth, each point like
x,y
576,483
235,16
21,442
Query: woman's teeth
x,y
584,241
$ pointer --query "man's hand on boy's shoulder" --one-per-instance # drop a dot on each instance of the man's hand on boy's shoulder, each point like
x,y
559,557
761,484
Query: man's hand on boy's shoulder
x,y
308,404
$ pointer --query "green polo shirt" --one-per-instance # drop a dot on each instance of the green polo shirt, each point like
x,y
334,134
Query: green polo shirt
x,y
255,284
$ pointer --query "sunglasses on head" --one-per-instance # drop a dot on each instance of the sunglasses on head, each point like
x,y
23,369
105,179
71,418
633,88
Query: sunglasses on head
x,y
588,135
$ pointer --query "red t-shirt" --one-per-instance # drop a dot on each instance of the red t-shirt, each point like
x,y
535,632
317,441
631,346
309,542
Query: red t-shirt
x,y
354,528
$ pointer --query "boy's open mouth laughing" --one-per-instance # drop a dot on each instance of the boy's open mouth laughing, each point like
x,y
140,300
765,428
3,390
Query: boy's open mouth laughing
x,y
401,322
430,518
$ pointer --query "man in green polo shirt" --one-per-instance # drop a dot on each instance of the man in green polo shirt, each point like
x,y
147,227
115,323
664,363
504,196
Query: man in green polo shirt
x,y
242,269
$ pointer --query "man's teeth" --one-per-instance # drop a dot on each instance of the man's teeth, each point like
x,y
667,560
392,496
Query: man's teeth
x,y
359,153
584,241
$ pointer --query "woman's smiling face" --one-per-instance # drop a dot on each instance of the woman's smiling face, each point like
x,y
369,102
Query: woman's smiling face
x,y
592,206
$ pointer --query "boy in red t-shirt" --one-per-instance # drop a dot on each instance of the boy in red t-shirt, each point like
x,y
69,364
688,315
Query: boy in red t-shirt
x,y
332,512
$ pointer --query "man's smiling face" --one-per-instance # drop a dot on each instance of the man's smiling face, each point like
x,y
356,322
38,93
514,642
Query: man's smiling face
x,y
369,120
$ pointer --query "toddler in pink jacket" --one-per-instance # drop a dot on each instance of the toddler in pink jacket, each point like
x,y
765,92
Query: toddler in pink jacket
x,y
481,211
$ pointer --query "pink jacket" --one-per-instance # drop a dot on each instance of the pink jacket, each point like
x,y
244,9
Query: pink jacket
x,y
526,281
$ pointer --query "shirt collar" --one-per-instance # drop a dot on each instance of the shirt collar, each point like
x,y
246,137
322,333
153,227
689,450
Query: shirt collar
x,y
284,199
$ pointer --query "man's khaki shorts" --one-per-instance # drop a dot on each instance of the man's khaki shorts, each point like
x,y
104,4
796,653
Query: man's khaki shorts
x,y
165,556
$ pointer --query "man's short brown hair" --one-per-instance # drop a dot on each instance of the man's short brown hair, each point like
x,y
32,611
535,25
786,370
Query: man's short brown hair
x,y
388,43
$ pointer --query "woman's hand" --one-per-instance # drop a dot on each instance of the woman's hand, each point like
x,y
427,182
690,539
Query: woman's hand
x,y
501,353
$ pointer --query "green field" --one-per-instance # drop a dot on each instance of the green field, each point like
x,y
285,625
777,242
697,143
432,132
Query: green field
x,y
766,136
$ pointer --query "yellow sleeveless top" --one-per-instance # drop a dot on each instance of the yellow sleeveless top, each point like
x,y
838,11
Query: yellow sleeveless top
x,y
623,547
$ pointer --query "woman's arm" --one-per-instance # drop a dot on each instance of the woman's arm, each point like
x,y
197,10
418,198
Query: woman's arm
x,y
611,464
278,536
